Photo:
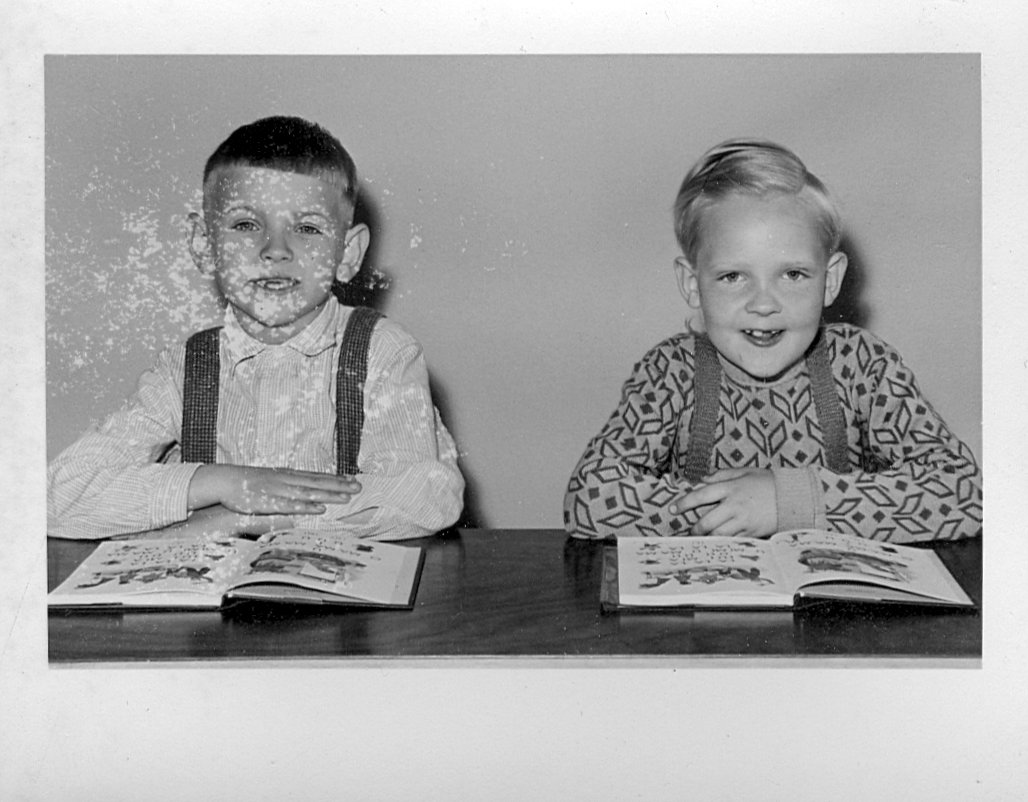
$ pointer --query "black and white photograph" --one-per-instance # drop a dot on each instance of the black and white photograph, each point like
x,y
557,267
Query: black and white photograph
x,y
493,310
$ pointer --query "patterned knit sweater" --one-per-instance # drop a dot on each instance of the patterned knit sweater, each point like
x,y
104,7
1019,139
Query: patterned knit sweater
x,y
911,479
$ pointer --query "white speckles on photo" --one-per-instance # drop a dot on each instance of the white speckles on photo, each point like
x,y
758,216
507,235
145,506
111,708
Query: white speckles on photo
x,y
134,278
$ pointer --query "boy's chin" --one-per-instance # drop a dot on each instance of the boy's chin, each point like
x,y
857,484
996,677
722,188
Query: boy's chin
x,y
748,361
763,368
271,329
768,374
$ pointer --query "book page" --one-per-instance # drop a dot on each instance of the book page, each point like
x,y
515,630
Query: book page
x,y
345,566
813,556
164,571
697,570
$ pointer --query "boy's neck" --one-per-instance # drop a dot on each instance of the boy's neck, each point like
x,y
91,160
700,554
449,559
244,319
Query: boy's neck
x,y
740,376
278,335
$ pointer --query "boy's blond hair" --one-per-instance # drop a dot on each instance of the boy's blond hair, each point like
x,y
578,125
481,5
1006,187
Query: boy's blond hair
x,y
750,167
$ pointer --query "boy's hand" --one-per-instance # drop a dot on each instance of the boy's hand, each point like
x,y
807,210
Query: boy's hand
x,y
267,491
744,503
217,521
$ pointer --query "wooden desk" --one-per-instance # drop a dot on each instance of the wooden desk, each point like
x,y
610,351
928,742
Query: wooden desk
x,y
526,593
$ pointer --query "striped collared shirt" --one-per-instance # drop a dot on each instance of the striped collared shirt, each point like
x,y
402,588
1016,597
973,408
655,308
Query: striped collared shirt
x,y
276,409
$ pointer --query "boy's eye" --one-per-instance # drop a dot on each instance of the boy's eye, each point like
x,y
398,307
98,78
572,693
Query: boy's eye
x,y
307,228
795,274
244,225
731,277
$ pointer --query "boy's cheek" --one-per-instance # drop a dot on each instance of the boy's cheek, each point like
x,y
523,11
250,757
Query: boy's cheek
x,y
236,286
235,246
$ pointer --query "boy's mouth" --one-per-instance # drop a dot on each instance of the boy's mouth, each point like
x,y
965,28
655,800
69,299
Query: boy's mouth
x,y
275,283
763,338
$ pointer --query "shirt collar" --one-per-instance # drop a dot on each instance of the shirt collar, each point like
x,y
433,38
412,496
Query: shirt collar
x,y
319,335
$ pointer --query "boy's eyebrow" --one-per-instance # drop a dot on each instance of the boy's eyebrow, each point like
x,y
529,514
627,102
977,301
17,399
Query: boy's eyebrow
x,y
236,207
745,265
796,263
728,265
246,207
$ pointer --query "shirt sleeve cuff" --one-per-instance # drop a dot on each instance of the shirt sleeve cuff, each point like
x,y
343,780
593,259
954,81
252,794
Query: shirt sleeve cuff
x,y
798,496
373,523
169,502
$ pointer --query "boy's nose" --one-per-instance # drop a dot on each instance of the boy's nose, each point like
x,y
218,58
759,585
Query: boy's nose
x,y
763,302
276,248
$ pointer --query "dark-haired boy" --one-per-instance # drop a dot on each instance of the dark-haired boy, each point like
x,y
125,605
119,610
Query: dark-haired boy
x,y
298,411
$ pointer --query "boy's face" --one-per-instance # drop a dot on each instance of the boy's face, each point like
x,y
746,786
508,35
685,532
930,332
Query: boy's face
x,y
275,241
761,278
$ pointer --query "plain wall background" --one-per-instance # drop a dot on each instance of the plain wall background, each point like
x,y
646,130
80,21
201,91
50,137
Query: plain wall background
x,y
520,213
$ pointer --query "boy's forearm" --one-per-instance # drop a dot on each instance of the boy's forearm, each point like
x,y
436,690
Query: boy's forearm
x,y
606,498
908,504
109,481
408,459
420,500
622,481
629,487
379,523
929,485
107,503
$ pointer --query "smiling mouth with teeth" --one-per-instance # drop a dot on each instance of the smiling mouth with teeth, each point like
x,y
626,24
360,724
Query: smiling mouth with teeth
x,y
275,283
762,337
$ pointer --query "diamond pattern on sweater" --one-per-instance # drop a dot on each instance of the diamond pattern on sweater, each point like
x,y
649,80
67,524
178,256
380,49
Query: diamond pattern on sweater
x,y
915,481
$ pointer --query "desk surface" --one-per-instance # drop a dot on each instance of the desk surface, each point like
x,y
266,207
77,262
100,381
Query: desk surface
x,y
511,593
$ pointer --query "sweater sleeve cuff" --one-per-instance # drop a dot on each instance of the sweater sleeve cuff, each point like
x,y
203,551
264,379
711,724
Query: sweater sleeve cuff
x,y
798,496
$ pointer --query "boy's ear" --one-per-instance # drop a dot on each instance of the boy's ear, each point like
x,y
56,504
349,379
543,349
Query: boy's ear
x,y
355,246
199,245
837,264
688,285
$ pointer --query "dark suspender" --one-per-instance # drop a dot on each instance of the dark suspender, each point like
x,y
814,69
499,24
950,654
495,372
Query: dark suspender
x,y
828,408
350,374
706,398
200,397
707,392
201,383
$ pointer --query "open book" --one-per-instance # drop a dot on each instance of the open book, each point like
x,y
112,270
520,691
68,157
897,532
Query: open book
x,y
298,566
783,571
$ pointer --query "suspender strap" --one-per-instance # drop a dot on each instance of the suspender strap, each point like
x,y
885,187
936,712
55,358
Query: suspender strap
x,y
829,409
350,375
201,384
707,391
706,394
200,397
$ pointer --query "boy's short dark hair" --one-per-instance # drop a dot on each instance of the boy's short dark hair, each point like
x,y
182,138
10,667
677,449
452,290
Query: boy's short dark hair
x,y
290,144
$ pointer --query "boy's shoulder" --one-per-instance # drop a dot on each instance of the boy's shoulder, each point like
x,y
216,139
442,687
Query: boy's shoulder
x,y
846,341
671,362
680,347
387,334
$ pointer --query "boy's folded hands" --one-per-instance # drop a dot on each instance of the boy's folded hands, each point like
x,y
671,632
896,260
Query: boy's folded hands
x,y
233,500
217,521
742,503
266,491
